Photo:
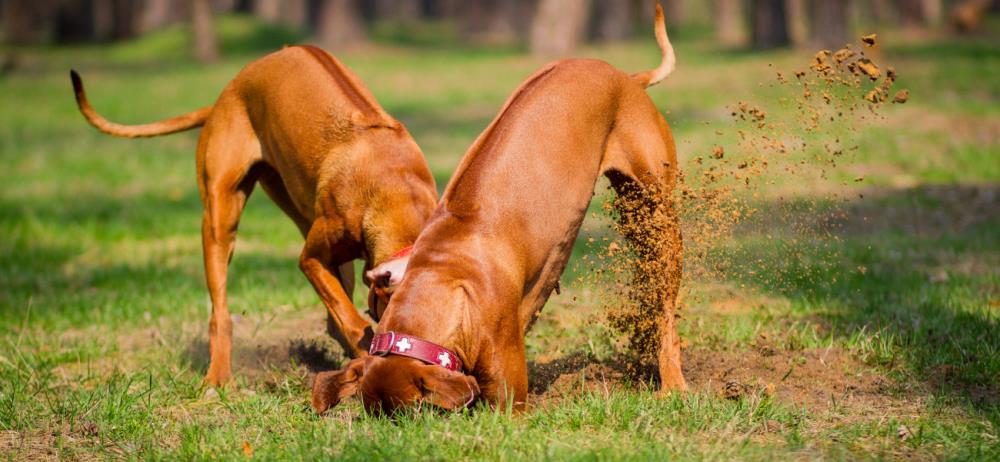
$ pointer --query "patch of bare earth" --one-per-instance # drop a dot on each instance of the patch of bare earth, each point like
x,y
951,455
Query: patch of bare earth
x,y
821,381
267,347
16,445
818,380
38,446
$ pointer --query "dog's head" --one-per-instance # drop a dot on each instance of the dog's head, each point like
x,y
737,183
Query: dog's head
x,y
387,384
382,281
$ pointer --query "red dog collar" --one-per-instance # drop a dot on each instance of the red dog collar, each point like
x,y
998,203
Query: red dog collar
x,y
395,343
402,253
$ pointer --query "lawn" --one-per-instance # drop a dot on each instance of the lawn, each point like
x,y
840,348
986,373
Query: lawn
x,y
844,320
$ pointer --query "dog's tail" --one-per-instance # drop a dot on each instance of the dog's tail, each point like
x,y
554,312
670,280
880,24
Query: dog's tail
x,y
163,127
668,61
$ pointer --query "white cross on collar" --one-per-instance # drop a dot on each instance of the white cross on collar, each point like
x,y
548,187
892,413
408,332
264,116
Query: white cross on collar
x,y
444,360
403,345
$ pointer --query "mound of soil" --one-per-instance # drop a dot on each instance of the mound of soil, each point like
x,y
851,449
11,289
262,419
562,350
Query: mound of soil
x,y
817,379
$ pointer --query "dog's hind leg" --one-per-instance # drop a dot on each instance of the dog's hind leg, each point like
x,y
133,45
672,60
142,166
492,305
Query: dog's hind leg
x,y
641,163
227,152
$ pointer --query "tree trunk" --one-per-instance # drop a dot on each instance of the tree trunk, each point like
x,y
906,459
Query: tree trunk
x,y
243,6
673,12
798,21
72,22
494,21
911,13
399,10
828,19
769,24
340,24
289,12
224,6
25,21
206,46
614,20
440,9
125,19
155,14
882,11
115,19
267,10
295,13
558,27
967,15
933,11
729,26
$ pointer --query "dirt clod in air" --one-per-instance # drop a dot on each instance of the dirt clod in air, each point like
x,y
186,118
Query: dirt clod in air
x,y
901,96
869,68
804,136
874,96
646,267
718,152
843,54
869,39
819,61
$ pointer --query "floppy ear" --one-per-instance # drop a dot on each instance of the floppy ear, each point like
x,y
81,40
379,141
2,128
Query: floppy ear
x,y
447,389
330,387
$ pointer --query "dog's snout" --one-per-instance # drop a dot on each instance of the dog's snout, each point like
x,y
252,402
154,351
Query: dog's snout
x,y
384,279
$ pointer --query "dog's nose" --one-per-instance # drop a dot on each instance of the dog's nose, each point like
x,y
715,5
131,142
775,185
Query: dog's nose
x,y
371,277
384,279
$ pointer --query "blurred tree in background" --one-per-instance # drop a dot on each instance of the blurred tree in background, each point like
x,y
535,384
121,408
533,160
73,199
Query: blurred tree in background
x,y
206,47
558,26
729,27
769,23
339,24
546,27
829,24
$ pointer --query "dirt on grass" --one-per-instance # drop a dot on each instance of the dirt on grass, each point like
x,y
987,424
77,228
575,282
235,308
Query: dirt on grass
x,y
817,380
837,93
23,446
41,446
267,347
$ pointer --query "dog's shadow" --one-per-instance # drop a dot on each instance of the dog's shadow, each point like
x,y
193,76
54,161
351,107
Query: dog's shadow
x,y
315,356
250,358
543,375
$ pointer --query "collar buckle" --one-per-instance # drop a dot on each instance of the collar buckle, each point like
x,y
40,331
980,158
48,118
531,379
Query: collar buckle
x,y
378,349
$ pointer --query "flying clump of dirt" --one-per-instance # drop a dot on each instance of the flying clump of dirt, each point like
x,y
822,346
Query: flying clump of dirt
x,y
646,267
803,136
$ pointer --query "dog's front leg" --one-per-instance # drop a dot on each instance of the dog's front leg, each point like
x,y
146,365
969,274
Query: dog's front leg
x,y
351,330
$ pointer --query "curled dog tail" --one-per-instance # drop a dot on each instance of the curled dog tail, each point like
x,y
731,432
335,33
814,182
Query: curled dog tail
x,y
164,127
668,60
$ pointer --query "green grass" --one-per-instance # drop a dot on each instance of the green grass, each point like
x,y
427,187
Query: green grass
x,y
883,325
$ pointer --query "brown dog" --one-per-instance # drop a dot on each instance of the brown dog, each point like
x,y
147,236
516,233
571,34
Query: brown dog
x,y
501,236
352,179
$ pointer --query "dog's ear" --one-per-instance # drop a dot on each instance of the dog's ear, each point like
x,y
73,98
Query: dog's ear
x,y
330,387
447,389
